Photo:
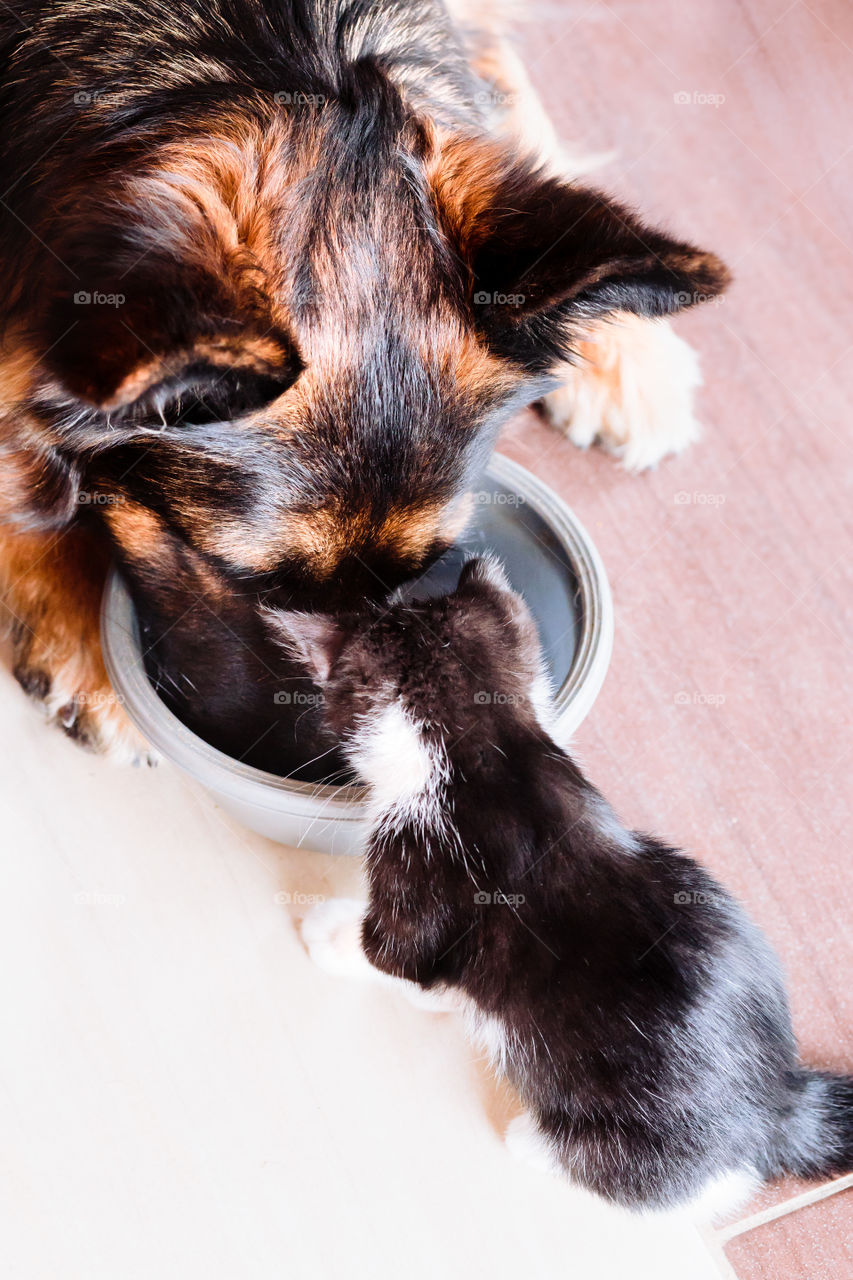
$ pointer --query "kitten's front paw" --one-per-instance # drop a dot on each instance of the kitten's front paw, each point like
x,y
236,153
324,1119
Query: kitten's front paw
x,y
524,1140
331,932
431,999
631,393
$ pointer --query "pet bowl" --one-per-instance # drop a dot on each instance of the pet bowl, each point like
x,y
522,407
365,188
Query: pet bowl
x,y
549,558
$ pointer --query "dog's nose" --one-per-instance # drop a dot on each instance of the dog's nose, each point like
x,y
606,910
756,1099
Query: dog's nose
x,y
373,575
357,578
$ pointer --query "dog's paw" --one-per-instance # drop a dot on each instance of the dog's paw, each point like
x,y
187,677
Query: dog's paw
x,y
50,600
64,672
631,392
331,932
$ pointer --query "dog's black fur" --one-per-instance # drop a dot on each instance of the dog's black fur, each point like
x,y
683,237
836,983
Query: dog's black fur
x,y
640,1014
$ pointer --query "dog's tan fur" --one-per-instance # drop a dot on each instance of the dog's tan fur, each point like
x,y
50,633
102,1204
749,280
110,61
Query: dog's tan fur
x,y
52,587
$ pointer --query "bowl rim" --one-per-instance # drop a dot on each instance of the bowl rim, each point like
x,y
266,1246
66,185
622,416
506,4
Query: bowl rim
x,y
248,785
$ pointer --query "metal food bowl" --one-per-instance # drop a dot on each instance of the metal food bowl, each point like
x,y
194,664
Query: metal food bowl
x,y
549,559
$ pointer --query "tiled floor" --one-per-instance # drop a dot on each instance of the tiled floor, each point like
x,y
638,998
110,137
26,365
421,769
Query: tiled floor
x,y
814,1241
186,1096
725,721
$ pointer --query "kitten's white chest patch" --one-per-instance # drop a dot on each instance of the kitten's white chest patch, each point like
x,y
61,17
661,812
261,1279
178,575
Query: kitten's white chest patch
x,y
395,762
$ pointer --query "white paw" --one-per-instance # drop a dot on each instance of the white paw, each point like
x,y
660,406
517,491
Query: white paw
x,y
331,932
432,999
98,720
73,691
631,392
525,1142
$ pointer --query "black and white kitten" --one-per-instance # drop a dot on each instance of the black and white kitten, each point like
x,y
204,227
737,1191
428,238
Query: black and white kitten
x,y
639,1014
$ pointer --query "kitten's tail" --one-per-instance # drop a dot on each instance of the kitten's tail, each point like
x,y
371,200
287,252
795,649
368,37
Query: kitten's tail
x,y
817,1138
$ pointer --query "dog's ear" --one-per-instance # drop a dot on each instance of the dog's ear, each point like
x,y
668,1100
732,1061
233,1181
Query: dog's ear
x,y
314,639
545,256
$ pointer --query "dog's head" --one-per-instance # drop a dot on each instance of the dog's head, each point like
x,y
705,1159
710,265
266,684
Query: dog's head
x,y
285,334
268,338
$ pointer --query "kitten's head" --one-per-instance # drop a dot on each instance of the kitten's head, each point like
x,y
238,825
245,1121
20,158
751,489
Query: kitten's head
x,y
466,660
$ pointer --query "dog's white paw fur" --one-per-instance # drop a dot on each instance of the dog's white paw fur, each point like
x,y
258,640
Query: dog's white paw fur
x,y
331,932
631,392
95,717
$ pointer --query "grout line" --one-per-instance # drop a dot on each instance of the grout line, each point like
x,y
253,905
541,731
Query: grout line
x,y
713,1242
814,1196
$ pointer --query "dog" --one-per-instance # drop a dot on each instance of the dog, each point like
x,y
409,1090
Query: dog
x,y
273,278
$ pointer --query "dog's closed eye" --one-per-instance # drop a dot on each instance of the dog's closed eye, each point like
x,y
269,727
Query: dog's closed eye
x,y
203,393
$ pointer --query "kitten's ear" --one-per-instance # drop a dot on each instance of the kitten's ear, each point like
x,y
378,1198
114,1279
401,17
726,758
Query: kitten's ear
x,y
488,572
545,256
314,639
484,571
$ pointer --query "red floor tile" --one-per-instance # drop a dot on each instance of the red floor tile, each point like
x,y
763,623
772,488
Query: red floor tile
x,y
811,1244
725,722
